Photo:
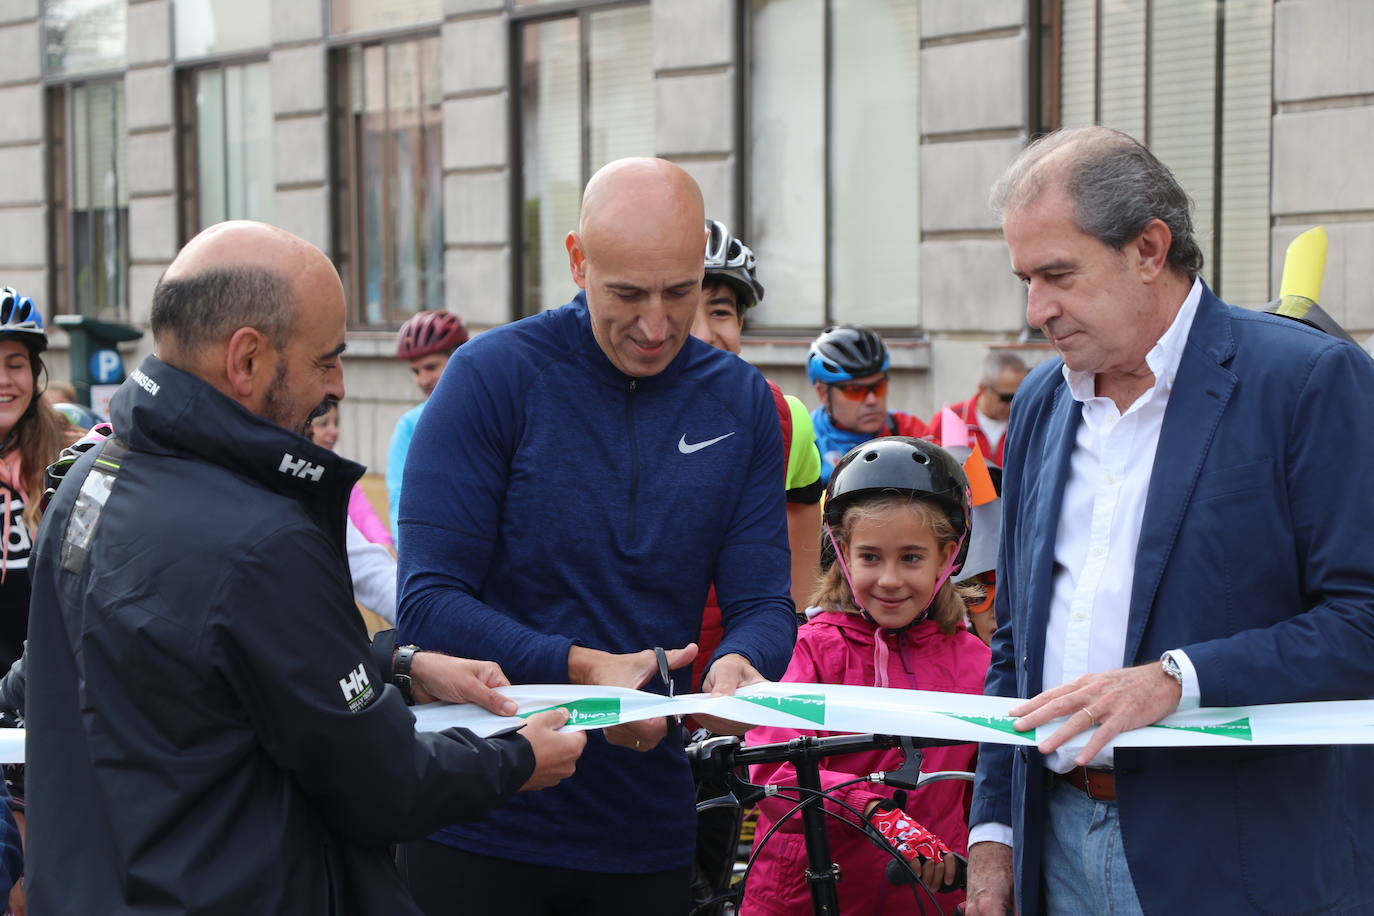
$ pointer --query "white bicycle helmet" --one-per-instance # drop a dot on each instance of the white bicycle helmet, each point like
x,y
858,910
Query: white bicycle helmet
x,y
728,260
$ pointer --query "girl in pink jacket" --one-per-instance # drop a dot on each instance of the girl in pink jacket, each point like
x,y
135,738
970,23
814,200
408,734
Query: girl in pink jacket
x,y
897,519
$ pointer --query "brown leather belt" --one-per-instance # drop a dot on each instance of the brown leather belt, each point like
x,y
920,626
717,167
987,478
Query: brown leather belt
x,y
1097,783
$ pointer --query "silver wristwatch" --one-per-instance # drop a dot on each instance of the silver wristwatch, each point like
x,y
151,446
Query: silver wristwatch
x,y
1171,667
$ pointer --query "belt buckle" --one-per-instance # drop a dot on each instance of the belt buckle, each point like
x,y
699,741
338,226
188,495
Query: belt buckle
x,y
1088,783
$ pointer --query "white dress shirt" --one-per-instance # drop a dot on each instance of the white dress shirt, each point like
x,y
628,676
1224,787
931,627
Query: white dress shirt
x,y
1099,528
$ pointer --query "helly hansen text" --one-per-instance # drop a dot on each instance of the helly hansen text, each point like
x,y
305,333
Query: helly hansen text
x,y
299,467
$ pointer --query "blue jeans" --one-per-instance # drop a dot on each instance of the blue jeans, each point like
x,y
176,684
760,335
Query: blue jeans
x,y
1084,864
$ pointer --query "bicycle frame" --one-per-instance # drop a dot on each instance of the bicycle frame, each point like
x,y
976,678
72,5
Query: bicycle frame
x,y
805,753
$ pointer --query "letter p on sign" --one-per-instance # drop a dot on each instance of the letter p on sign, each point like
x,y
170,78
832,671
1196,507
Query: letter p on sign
x,y
106,367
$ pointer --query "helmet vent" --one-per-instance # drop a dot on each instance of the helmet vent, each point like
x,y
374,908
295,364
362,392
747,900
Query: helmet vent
x,y
920,458
871,456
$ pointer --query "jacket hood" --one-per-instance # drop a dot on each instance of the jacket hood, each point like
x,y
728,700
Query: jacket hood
x,y
163,410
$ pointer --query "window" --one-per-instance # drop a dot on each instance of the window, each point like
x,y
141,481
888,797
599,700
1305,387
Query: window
x,y
226,145
348,16
834,132
586,98
1191,80
90,202
389,182
206,27
84,36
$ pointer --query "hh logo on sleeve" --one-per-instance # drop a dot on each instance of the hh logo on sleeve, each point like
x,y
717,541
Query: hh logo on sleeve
x,y
357,689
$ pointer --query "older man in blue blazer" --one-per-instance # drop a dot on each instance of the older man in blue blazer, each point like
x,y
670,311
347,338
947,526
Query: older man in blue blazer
x,y
1187,522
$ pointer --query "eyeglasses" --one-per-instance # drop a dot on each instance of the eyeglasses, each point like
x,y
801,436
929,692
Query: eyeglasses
x,y
1004,396
858,391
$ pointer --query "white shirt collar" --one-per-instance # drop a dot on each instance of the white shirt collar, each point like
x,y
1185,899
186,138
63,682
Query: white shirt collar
x,y
1163,358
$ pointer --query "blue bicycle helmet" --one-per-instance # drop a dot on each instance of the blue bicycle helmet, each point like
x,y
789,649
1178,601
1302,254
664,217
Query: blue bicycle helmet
x,y
21,320
845,352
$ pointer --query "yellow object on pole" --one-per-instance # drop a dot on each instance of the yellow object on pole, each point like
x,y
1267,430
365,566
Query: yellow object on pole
x,y
1303,267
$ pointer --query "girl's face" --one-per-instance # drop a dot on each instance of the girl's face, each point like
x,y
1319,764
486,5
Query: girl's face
x,y
324,430
16,383
894,562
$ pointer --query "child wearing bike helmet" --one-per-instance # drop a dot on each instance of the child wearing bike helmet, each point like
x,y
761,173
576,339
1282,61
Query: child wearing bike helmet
x,y
897,521
31,436
848,365
426,341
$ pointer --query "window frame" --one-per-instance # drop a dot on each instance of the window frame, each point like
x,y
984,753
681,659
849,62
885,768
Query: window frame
x,y
59,182
187,160
341,151
745,55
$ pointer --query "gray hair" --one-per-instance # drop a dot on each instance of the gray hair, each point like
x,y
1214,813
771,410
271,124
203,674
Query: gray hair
x,y
209,306
1000,361
1117,187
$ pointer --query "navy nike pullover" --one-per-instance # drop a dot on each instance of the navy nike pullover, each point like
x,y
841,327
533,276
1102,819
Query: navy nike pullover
x,y
551,500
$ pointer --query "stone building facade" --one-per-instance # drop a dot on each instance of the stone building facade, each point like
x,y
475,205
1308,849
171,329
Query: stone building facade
x,y
434,149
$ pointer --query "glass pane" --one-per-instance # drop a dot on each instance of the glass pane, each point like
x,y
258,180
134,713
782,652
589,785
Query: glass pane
x,y
551,119
786,160
84,35
210,152
1122,57
1078,63
394,158
1243,276
368,15
372,178
1183,66
257,195
621,84
205,27
100,212
875,134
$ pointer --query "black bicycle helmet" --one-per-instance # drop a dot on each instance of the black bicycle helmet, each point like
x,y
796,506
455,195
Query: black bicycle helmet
x,y
902,466
845,352
730,261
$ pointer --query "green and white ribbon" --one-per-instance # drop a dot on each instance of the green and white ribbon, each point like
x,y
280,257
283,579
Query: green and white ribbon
x,y
890,711
919,713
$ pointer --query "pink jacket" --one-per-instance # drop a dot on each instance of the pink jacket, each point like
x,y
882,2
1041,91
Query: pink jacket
x,y
362,514
838,648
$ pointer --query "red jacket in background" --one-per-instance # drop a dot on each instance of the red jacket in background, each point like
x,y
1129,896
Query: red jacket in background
x,y
968,412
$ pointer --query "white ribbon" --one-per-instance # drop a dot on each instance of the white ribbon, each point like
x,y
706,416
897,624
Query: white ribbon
x,y
919,713
889,711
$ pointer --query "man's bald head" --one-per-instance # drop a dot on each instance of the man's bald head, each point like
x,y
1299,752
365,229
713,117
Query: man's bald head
x,y
639,252
652,201
233,275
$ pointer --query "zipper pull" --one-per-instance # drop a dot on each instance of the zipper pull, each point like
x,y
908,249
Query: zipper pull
x,y
634,383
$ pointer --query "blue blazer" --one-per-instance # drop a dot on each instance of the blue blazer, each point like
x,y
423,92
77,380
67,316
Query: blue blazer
x,y
1256,557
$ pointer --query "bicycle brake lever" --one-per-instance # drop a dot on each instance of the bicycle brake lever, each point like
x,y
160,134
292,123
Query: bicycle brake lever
x,y
908,775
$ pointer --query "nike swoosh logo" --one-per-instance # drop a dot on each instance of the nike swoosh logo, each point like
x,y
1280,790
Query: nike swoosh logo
x,y
686,449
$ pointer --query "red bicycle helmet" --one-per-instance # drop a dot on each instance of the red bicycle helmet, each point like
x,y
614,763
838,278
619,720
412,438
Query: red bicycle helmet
x,y
435,331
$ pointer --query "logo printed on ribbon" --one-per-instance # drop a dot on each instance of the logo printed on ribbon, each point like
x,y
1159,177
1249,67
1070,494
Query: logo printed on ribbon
x,y
998,723
1236,728
590,712
808,706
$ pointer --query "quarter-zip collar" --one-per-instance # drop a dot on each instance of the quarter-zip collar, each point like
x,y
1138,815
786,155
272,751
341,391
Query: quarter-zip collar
x,y
589,352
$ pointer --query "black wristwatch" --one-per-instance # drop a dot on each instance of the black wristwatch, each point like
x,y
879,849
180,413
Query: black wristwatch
x,y
400,672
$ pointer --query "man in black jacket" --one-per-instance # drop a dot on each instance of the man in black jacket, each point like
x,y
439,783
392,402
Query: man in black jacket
x,y
208,732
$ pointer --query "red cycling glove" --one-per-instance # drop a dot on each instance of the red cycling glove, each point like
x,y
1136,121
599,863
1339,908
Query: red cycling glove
x,y
912,840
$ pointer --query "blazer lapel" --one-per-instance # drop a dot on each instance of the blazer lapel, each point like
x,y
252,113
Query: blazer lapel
x,y
1056,448
1202,388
